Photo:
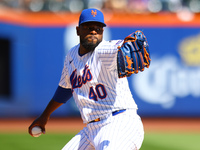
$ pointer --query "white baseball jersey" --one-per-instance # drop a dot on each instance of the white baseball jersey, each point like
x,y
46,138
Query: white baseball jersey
x,y
120,132
94,81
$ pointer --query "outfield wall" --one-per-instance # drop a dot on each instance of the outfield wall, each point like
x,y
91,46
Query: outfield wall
x,y
38,42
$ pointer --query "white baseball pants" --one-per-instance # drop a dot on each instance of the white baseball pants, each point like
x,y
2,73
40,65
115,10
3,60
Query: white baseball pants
x,y
120,132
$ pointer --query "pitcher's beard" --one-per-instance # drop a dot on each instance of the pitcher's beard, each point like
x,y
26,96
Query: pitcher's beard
x,y
89,46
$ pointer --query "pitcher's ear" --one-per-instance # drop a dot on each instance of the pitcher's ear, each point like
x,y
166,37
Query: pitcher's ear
x,y
77,30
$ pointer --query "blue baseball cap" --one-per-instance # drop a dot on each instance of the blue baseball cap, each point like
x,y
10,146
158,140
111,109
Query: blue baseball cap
x,y
91,15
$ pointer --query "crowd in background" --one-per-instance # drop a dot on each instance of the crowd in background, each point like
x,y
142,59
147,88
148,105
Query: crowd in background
x,y
133,6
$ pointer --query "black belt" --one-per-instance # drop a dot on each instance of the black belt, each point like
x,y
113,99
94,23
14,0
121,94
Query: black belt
x,y
113,114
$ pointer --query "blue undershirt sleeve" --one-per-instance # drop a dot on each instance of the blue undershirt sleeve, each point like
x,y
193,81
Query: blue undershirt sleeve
x,y
62,95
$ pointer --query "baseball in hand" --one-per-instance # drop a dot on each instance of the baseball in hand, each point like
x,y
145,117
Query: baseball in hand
x,y
36,131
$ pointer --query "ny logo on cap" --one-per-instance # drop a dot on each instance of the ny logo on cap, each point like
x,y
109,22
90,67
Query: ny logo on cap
x,y
94,13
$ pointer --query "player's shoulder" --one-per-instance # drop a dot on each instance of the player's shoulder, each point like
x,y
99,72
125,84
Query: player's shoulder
x,y
74,49
72,52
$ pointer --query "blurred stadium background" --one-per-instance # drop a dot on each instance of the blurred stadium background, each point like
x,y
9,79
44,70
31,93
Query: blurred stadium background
x,y
36,34
132,6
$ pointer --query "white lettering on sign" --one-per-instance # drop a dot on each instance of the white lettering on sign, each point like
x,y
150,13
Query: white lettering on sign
x,y
166,79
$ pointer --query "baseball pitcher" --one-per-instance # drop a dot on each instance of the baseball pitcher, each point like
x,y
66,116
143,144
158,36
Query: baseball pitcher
x,y
95,73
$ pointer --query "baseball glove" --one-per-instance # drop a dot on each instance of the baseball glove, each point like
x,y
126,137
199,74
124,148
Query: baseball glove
x,y
133,56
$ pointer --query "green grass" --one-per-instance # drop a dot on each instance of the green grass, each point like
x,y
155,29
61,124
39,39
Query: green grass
x,y
171,141
26,142
152,141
